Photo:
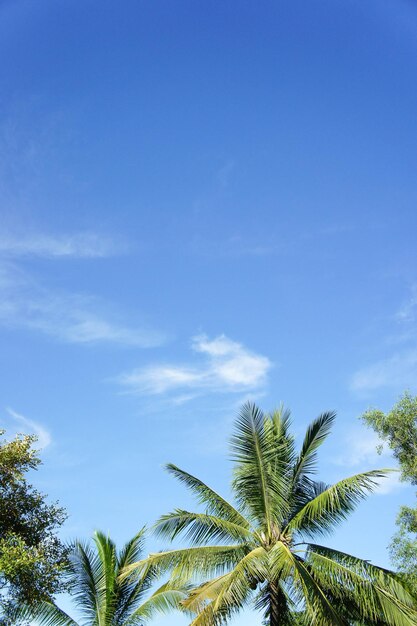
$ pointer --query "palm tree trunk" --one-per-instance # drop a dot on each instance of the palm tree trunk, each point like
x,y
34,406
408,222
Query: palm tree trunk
x,y
275,604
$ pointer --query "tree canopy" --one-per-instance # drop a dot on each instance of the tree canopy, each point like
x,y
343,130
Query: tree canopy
x,y
32,557
398,429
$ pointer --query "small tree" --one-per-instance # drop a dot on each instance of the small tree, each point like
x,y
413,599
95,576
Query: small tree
x,y
101,594
32,558
398,428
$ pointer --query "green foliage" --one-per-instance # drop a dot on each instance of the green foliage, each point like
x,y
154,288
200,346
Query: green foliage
x,y
403,547
259,548
398,429
102,595
32,558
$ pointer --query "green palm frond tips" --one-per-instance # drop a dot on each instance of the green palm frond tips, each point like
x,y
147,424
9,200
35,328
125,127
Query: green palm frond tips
x,y
259,549
103,596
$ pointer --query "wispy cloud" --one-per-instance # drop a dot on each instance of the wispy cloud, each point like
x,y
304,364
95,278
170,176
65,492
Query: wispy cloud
x,y
43,435
234,246
398,371
259,245
360,451
78,245
225,172
390,483
408,311
227,366
72,318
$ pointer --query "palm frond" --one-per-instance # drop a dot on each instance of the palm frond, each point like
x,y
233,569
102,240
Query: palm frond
x,y
86,572
131,551
319,609
304,491
163,600
43,614
276,426
129,591
316,434
238,584
280,562
334,504
214,503
200,528
106,584
187,563
216,599
203,594
209,617
253,452
376,593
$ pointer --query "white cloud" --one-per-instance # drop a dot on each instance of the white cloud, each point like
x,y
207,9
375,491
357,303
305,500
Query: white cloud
x,y
408,311
235,246
359,451
78,245
359,448
261,245
43,435
390,483
398,372
227,367
225,172
72,318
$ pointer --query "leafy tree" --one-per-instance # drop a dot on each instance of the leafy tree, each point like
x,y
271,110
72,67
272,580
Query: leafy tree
x,y
261,548
101,596
398,429
32,558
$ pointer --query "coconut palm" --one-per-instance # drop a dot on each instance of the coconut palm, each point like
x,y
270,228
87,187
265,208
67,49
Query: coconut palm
x,y
101,597
263,548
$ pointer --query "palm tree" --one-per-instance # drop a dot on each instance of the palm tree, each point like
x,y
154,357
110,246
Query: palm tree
x,y
261,548
101,596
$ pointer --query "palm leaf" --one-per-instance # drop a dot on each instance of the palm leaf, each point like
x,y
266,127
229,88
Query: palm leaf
x,y
201,595
253,452
237,585
131,551
319,610
44,613
279,469
163,600
86,574
214,503
334,504
316,434
129,591
186,563
376,592
106,582
200,528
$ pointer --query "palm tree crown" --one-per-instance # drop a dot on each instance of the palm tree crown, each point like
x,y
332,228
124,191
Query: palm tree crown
x,y
102,596
263,548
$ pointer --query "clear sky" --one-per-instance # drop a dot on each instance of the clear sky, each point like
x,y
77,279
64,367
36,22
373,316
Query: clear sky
x,y
203,202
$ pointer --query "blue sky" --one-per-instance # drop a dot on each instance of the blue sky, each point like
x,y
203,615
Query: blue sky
x,y
203,203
